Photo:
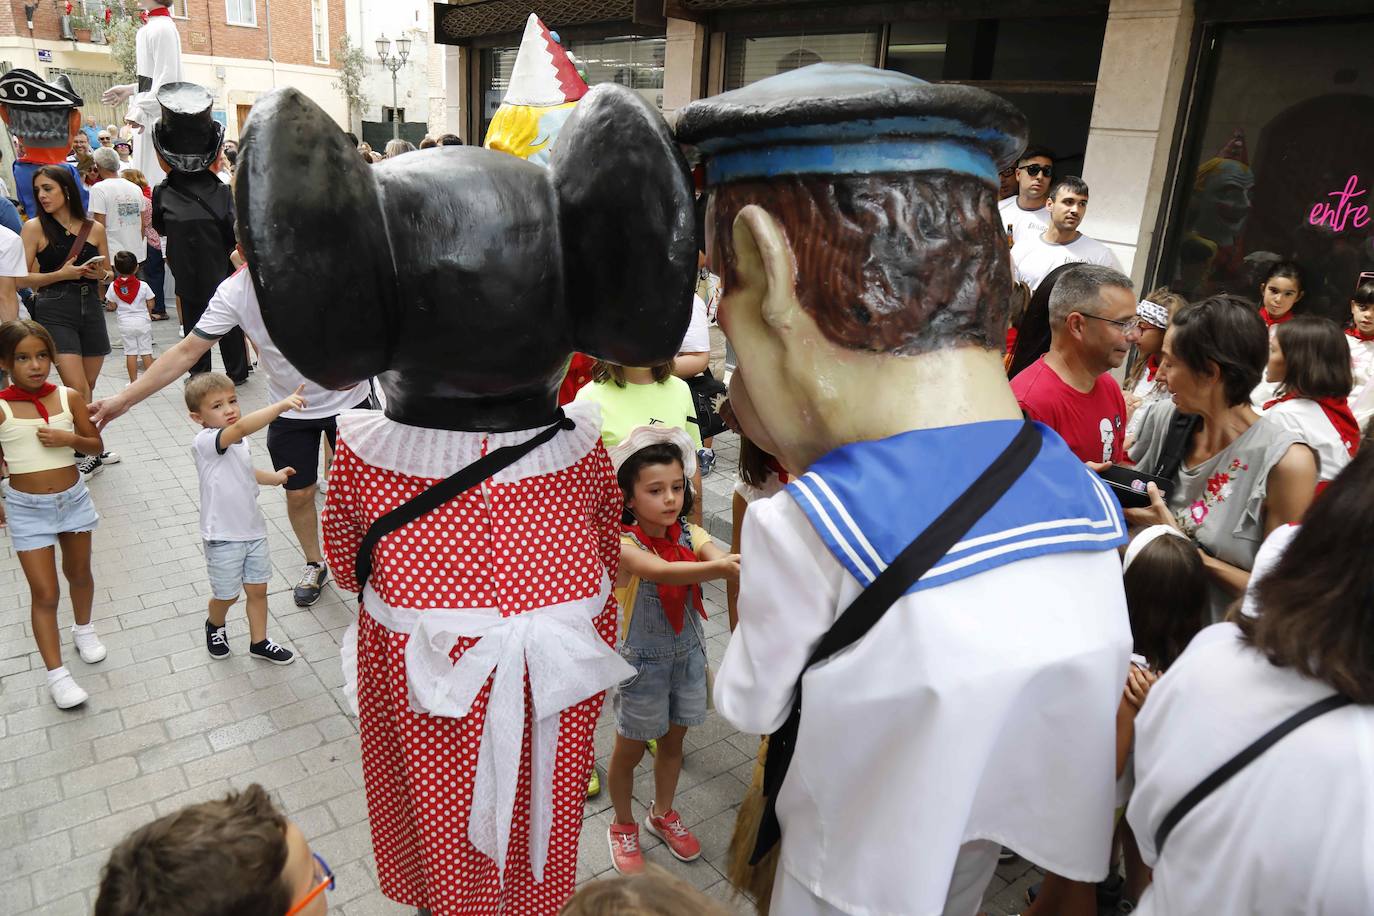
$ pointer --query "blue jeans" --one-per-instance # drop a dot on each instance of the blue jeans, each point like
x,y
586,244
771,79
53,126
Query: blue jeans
x,y
155,275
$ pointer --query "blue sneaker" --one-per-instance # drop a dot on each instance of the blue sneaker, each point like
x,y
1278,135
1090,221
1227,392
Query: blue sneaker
x,y
706,460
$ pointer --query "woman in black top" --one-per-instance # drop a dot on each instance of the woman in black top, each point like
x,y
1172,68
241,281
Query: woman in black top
x,y
66,285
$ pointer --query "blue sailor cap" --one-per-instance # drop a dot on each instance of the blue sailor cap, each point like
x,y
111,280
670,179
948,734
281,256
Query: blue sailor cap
x,y
848,119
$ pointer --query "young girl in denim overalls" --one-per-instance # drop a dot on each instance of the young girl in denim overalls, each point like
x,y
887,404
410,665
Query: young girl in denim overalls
x,y
663,561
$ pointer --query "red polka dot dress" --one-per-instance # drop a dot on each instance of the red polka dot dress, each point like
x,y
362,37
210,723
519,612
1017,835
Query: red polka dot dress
x,y
542,532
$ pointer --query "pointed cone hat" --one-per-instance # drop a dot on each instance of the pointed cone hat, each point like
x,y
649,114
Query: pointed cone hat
x,y
542,74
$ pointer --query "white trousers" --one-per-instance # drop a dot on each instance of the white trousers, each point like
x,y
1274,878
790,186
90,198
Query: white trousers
x,y
973,871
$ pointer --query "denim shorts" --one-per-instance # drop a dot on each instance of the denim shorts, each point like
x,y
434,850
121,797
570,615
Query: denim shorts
x,y
74,316
232,564
36,519
669,684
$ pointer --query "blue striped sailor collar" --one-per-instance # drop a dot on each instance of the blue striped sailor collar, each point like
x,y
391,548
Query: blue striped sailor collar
x,y
868,500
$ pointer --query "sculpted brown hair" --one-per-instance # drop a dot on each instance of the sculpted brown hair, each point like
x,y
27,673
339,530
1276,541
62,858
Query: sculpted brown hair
x,y
1316,608
217,858
900,264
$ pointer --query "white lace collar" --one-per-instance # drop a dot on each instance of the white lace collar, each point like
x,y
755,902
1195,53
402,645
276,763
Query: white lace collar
x,y
435,453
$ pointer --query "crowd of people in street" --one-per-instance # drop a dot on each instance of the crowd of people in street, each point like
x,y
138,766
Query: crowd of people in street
x,y
1192,478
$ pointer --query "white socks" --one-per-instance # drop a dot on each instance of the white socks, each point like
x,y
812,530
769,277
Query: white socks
x,y
57,674
87,643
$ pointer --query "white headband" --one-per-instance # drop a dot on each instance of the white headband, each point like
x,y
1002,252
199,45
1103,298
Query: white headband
x,y
1143,539
642,436
1154,313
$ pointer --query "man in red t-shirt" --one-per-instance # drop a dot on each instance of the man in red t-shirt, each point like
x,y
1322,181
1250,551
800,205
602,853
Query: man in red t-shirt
x,y
1092,327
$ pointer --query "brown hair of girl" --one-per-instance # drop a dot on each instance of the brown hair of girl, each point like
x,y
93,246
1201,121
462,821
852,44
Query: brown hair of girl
x,y
603,371
13,333
652,892
901,264
1316,607
1316,358
1166,598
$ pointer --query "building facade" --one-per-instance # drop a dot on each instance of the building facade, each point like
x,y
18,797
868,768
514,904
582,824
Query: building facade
x,y
416,96
1216,135
238,49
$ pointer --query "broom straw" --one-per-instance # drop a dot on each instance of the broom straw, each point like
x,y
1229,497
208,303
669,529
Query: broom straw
x,y
756,881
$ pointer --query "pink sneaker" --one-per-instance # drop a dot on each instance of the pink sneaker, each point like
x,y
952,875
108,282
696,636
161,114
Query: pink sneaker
x,y
669,829
625,852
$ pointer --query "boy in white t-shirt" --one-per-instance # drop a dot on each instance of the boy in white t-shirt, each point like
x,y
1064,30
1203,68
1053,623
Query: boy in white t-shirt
x,y
231,524
132,302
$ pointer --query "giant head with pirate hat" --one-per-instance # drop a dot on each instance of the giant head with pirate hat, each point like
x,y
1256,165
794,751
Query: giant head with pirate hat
x,y
44,118
544,88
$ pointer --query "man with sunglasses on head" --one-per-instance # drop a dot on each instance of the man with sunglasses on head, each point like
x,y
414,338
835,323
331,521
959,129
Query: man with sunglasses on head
x,y
1070,389
1036,254
226,857
1025,213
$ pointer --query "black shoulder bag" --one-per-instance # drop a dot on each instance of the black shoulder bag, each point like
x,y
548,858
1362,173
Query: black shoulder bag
x,y
1175,448
1239,762
460,482
873,602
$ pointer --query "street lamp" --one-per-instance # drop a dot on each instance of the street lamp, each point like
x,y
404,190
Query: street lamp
x,y
393,64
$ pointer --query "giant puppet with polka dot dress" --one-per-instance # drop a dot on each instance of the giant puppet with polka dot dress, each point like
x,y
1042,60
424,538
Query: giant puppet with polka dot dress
x,y
463,279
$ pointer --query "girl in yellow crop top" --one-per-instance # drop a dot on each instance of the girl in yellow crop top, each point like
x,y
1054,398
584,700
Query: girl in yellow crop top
x,y
45,501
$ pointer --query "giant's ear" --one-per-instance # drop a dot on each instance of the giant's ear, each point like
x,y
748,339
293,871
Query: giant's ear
x,y
314,234
764,267
626,229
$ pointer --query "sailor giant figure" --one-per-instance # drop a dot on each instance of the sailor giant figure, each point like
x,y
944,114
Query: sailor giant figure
x,y
966,697
158,62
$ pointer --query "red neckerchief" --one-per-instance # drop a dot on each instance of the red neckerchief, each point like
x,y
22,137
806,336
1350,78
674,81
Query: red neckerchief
x,y
15,393
1151,367
776,467
1354,332
160,11
671,549
1270,320
1337,410
126,288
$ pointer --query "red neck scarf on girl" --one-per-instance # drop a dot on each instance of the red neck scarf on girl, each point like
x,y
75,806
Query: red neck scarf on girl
x,y
159,11
776,467
126,288
670,549
1337,410
1355,333
15,393
1151,367
1270,320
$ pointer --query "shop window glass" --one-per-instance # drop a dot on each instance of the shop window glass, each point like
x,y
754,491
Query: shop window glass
x,y
1279,163
631,61
751,58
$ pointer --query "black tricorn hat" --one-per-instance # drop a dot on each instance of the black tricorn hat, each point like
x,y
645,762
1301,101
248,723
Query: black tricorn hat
x,y
462,277
186,136
25,89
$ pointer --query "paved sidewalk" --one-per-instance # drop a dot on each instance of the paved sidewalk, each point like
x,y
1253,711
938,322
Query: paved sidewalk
x,y
165,726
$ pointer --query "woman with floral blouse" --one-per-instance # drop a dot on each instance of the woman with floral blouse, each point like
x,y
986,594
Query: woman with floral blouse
x,y
1240,476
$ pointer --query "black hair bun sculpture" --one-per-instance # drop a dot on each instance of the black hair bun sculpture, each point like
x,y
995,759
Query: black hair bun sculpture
x,y
465,278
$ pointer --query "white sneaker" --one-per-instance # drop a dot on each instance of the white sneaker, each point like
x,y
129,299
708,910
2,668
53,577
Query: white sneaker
x,y
66,693
110,458
90,647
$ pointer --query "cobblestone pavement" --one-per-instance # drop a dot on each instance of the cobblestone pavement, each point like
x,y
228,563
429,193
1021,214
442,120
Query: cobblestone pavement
x,y
165,726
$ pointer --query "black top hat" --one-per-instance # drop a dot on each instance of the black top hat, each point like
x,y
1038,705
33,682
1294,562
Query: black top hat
x,y
186,136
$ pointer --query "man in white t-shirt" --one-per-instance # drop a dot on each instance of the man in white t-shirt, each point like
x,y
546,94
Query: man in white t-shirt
x,y
1034,256
1026,212
12,265
118,205
293,439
